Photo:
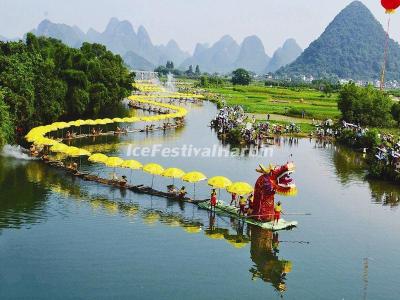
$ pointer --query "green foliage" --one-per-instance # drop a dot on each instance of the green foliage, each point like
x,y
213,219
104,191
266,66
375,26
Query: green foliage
x,y
396,112
44,81
350,138
210,81
365,106
6,124
241,77
279,100
167,69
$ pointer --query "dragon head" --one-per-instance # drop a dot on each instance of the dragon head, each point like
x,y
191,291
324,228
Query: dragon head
x,y
280,178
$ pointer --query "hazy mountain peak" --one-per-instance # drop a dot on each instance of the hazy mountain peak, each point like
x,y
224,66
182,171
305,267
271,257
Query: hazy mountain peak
x,y
116,26
252,55
143,36
284,55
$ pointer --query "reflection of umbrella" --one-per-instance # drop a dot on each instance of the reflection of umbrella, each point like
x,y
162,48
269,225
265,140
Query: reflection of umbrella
x,y
131,164
194,177
173,173
153,169
240,188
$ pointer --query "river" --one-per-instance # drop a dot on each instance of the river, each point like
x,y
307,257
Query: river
x,y
64,238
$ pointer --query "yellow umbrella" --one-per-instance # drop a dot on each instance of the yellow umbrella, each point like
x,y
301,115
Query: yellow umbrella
x,y
240,188
219,182
173,173
45,141
100,122
194,177
75,152
113,162
98,157
153,169
132,164
58,147
118,120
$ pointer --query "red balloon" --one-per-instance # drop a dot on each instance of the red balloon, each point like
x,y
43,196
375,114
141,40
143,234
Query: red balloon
x,y
390,5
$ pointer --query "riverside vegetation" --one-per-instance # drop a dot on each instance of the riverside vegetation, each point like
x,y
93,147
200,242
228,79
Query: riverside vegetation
x,y
42,81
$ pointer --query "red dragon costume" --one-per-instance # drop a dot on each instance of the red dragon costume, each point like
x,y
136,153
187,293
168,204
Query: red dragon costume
x,y
273,180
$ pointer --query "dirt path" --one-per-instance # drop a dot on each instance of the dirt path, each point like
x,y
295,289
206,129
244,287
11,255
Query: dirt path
x,y
274,117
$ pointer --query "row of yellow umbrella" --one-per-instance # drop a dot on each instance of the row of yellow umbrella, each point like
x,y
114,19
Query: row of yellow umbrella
x,y
218,182
37,136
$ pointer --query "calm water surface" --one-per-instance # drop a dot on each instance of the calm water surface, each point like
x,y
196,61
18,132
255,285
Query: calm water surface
x,y
64,238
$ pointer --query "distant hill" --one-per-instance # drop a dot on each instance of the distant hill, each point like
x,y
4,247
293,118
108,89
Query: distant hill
x,y
220,57
252,55
285,55
226,55
70,35
351,47
121,38
137,62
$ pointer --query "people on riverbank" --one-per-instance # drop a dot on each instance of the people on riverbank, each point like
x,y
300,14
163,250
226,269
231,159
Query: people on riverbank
x,y
233,123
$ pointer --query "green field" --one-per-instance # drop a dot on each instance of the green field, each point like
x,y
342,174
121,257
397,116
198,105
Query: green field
x,y
279,100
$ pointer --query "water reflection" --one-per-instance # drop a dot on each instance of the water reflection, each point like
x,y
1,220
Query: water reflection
x,y
22,201
30,207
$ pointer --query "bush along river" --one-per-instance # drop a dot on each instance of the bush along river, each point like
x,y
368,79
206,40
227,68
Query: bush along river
x,y
62,237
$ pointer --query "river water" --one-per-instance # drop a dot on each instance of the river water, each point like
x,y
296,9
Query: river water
x,y
64,238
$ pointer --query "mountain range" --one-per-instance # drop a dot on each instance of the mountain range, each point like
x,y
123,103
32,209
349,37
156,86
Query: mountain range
x,y
351,47
139,52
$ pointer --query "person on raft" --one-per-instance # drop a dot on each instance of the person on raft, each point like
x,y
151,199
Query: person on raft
x,y
277,212
172,189
123,181
213,200
182,193
242,206
250,200
233,199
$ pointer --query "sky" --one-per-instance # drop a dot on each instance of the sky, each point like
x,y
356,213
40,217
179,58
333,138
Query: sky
x,y
190,21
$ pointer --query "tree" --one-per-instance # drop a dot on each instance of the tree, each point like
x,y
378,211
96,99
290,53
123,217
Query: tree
x,y
6,124
365,106
170,65
44,80
197,71
396,112
189,71
241,77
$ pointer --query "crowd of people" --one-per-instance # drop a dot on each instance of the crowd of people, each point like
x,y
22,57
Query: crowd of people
x,y
247,129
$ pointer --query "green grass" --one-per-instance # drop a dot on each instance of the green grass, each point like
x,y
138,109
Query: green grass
x,y
278,100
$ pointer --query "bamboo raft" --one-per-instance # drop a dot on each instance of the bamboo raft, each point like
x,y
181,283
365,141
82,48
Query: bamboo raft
x,y
140,189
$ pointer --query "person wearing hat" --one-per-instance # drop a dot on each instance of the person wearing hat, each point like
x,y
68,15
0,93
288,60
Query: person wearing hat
x,y
182,193
242,205
123,181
